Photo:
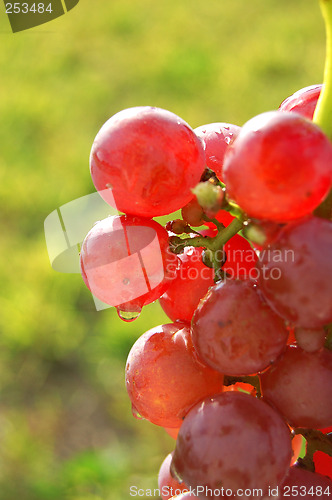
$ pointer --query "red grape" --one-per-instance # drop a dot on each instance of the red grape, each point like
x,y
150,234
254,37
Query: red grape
x,y
235,332
143,155
294,273
164,376
232,441
191,283
303,101
279,168
299,385
310,339
168,486
323,464
306,484
216,137
126,262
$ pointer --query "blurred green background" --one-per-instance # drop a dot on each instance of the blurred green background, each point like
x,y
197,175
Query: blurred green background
x,y
66,430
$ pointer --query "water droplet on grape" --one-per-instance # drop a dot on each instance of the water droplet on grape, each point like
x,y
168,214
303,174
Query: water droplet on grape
x,y
128,315
135,413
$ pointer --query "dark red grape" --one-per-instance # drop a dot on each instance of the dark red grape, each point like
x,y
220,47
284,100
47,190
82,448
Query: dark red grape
x,y
232,441
305,484
235,332
294,273
299,385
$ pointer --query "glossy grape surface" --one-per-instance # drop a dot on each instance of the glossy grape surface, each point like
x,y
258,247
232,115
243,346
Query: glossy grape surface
x,y
125,261
303,101
294,273
216,138
232,441
164,376
299,385
235,332
143,155
279,168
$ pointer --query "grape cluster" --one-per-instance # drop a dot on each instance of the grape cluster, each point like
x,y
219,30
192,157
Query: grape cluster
x,y
244,368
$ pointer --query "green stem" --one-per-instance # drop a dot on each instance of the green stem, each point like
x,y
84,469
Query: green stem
x,y
214,244
323,111
226,234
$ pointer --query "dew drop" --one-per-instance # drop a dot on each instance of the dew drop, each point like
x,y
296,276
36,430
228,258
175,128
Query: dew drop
x,y
227,140
128,316
135,413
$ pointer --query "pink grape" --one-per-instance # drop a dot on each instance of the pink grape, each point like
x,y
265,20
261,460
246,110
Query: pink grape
x,y
303,101
216,138
279,168
141,156
126,262
165,377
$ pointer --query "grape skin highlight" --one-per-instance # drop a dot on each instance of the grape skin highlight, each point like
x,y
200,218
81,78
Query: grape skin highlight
x,y
279,168
126,262
143,155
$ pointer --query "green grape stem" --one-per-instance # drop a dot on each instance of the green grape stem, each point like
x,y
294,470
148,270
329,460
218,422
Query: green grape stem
x,y
323,111
213,243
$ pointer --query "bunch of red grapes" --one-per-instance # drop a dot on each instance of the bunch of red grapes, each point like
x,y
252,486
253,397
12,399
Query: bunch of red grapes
x,y
243,370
